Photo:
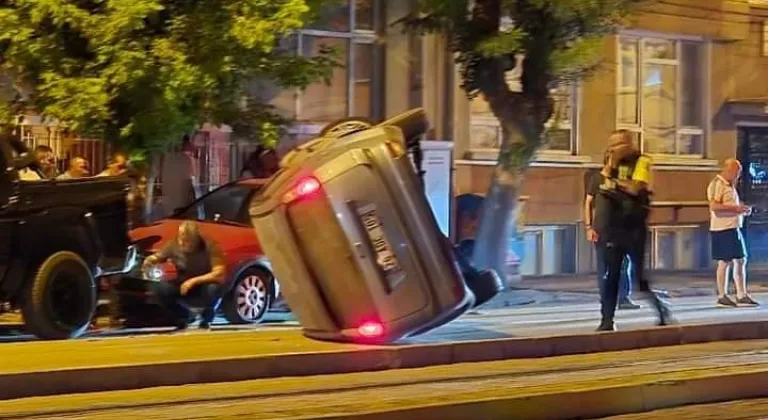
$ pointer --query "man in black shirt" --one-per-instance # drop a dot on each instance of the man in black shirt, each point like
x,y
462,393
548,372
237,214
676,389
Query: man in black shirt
x,y
623,207
201,271
593,181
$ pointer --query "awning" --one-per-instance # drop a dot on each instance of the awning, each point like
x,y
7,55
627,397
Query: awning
x,y
753,107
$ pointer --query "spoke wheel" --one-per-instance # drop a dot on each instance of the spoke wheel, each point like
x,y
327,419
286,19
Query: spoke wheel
x,y
250,297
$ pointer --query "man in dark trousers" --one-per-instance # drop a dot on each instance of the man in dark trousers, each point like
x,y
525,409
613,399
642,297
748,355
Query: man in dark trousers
x,y
622,207
593,180
201,272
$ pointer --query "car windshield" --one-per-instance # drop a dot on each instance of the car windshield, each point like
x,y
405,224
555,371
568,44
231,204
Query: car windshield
x,y
228,204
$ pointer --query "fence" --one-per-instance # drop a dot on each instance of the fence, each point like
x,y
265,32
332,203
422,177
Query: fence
x,y
65,148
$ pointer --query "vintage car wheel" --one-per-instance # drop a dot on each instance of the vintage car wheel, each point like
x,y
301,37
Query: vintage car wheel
x,y
250,298
345,126
61,299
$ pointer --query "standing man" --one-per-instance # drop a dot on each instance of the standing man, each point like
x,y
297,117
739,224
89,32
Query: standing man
x,y
593,182
46,161
201,272
623,206
725,224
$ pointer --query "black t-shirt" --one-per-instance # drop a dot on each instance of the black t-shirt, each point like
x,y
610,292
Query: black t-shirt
x,y
192,264
617,212
592,182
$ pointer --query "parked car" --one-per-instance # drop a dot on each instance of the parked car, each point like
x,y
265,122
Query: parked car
x,y
250,290
57,238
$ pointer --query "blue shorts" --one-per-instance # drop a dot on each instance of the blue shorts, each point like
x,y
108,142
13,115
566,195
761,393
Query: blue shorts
x,y
727,245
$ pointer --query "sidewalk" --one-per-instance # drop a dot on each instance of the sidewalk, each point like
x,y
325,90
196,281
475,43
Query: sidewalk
x,y
582,288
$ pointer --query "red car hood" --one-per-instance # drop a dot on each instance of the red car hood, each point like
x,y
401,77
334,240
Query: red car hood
x,y
153,237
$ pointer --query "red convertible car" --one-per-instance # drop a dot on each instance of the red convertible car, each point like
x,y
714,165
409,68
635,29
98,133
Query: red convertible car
x,y
250,289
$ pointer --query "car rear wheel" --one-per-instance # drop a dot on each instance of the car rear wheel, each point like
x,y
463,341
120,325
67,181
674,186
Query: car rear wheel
x,y
250,298
61,299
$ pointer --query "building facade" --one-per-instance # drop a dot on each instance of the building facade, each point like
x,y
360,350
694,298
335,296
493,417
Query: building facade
x,y
688,78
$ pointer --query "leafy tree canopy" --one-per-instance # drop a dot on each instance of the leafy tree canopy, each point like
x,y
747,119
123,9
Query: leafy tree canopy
x,y
143,72
560,40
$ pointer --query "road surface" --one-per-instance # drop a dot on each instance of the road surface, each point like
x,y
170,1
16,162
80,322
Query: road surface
x,y
756,409
555,316
558,380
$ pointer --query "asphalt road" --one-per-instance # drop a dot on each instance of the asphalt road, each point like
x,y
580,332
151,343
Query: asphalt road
x,y
557,378
756,409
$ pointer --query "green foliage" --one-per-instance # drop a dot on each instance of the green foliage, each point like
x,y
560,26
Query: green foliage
x,y
144,72
561,40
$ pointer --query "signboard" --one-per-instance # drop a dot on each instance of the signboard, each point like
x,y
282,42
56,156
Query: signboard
x,y
438,178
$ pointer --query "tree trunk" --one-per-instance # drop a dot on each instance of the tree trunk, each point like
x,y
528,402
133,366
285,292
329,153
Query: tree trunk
x,y
499,210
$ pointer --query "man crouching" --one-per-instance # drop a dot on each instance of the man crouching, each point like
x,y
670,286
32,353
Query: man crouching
x,y
201,272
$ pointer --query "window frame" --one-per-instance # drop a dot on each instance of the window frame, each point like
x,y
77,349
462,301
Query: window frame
x,y
353,37
680,130
194,207
572,125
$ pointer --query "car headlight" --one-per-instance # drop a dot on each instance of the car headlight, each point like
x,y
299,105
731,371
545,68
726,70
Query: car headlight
x,y
153,273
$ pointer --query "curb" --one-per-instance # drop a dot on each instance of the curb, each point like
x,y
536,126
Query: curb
x,y
592,403
123,377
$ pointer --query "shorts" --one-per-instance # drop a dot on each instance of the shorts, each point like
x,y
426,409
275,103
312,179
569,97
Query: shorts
x,y
727,245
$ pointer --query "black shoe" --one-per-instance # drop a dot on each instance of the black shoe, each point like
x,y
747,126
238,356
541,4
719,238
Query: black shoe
x,y
607,326
204,325
181,325
726,302
627,304
747,301
664,313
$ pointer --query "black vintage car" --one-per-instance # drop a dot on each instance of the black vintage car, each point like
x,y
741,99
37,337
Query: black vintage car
x,y
56,239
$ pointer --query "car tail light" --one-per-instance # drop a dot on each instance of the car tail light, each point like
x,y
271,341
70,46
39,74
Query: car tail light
x,y
371,330
304,188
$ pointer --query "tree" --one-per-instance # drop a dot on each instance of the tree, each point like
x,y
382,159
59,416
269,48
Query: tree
x,y
141,73
553,41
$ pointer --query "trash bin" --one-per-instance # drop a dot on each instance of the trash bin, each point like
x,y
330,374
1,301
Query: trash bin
x,y
351,236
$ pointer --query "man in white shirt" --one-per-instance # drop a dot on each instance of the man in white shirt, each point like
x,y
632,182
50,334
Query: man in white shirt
x,y
726,220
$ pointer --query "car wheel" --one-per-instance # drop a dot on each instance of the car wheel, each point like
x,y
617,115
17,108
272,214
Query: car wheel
x,y
61,298
346,126
250,298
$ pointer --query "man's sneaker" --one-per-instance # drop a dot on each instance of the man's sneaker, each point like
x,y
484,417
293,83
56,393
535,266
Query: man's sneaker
x,y
747,301
628,305
204,325
726,302
606,326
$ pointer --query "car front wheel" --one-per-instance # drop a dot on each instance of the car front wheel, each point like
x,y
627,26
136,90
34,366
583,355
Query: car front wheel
x,y
250,298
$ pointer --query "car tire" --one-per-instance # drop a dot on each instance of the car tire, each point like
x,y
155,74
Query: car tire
x,y
346,126
61,299
250,298
484,284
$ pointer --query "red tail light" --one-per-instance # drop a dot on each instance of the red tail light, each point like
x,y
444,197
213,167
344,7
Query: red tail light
x,y
371,330
305,187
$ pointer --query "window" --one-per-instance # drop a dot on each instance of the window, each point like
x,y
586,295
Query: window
x,y
765,38
560,136
660,94
226,205
678,247
349,28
